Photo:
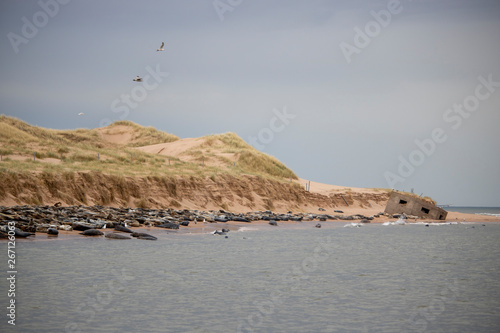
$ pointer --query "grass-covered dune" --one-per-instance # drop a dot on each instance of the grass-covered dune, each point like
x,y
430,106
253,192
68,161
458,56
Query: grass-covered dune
x,y
122,149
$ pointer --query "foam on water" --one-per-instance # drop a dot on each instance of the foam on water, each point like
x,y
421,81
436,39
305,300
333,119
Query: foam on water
x,y
488,214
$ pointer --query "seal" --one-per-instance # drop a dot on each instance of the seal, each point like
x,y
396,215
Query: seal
x,y
92,232
273,222
153,238
318,225
169,225
119,227
142,235
114,235
241,219
19,233
80,226
52,231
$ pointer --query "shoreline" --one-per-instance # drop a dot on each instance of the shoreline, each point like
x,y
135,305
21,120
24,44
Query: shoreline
x,y
261,225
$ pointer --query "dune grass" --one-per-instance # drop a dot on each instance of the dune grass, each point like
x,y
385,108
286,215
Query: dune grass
x,y
26,148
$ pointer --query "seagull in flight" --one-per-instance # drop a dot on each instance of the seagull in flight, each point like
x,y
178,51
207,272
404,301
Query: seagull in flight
x,y
161,47
137,79
81,114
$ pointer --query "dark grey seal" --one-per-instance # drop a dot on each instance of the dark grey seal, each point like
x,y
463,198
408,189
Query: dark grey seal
x,y
318,225
113,235
80,226
241,219
169,225
142,235
92,232
153,238
19,233
52,231
119,227
273,222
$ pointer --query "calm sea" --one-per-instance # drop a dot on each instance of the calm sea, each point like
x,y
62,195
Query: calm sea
x,y
492,211
375,278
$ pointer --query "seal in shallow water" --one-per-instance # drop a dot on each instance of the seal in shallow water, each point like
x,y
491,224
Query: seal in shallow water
x,y
142,235
114,235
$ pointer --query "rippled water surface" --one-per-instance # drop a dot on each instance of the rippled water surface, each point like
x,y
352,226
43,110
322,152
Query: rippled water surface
x,y
375,278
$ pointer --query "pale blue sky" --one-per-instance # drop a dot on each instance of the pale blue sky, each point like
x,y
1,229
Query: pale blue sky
x,y
350,122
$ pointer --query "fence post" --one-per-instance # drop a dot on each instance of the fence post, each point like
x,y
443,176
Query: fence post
x,y
169,161
98,157
61,156
131,160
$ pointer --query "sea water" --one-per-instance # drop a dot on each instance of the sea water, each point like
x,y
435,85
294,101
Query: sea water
x,y
402,278
488,211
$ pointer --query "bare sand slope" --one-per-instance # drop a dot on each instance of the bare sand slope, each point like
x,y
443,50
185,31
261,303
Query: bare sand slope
x,y
327,189
195,150
174,149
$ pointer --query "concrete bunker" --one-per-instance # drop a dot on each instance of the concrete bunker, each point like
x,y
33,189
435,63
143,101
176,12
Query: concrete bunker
x,y
400,203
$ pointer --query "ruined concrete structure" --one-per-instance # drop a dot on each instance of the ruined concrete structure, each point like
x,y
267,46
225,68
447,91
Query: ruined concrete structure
x,y
403,203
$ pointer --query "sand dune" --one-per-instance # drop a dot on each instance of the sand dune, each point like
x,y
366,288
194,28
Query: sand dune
x,y
257,182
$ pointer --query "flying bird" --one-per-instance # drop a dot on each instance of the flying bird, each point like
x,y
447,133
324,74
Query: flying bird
x,y
81,114
138,79
161,47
